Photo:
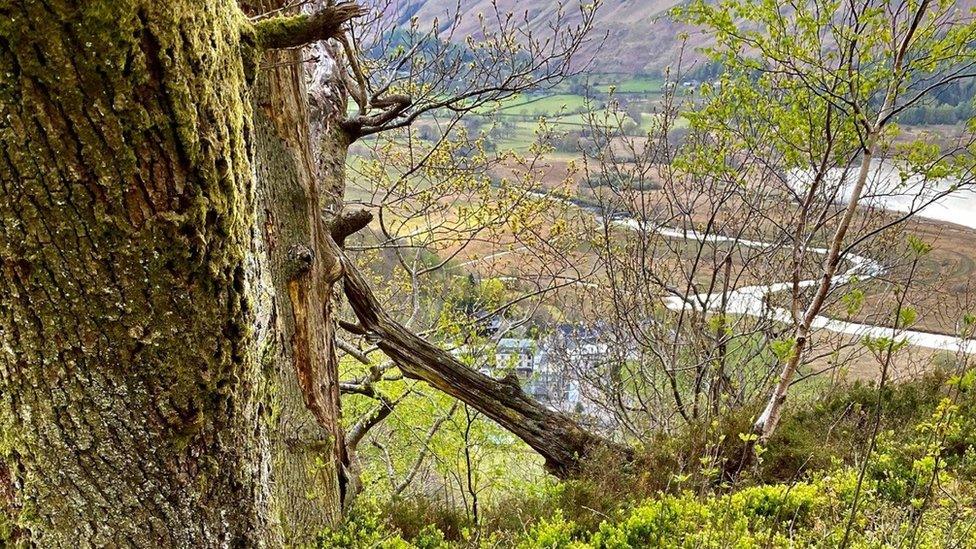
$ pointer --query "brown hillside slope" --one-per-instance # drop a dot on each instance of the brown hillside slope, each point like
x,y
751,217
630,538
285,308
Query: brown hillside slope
x,y
640,36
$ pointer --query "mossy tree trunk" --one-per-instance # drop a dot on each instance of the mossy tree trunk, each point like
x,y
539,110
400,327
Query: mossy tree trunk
x,y
300,362
129,385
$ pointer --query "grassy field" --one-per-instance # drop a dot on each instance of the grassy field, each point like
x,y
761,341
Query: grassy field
x,y
626,83
546,105
566,106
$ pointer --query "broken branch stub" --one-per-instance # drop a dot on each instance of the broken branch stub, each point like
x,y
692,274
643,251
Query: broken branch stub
x,y
299,30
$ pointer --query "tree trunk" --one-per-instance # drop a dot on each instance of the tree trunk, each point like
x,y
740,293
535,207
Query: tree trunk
x,y
767,422
130,387
300,362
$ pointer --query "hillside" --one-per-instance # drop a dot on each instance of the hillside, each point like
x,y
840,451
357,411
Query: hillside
x,y
641,38
639,33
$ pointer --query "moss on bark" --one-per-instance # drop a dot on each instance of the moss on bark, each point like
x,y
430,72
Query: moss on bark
x,y
301,364
128,413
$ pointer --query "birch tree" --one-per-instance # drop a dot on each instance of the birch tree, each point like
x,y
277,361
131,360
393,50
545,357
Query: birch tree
x,y
830,80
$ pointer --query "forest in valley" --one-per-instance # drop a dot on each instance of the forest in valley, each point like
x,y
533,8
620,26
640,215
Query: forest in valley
x,y
488,274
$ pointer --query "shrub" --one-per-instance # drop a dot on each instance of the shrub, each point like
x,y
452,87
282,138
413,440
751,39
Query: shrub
x,y
412,515
553,533
361,529
695,490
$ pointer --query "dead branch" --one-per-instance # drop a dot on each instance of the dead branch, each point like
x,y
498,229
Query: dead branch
x,y
347,223
354,436
352,351
555,436
300,30
393,106
352,327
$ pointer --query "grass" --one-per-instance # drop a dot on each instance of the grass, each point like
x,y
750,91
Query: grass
x,y
622,83
546,105
634,84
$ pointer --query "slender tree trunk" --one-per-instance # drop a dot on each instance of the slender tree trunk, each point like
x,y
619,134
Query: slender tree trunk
x,y
299,362
766,423
129,385
769,419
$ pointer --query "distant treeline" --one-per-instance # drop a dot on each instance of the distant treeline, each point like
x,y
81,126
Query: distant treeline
x,y
951,105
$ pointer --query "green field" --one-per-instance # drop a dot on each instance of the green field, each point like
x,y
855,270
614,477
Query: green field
x,y
565,107
626,83
546,105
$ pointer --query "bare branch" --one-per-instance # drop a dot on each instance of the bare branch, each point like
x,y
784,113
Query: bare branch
x,y
373,418
352,351
348,223
424,451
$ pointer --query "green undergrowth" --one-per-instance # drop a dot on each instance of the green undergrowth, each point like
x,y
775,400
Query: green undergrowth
x,y
700,489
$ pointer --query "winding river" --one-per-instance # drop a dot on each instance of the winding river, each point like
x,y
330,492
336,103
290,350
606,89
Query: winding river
x,y
751,300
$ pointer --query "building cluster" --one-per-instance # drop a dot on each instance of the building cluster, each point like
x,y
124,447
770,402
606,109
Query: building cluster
x,y
552,368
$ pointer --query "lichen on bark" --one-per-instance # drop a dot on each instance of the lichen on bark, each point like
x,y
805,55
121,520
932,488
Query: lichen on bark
x,y
127,366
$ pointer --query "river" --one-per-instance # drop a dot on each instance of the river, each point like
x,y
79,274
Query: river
x,y
885,190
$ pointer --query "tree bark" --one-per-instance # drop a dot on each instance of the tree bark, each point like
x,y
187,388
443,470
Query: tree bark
x,y
130,386
300,362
